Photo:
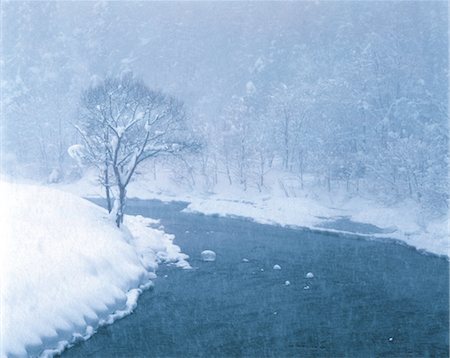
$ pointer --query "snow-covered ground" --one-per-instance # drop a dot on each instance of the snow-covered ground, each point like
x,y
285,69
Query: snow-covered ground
x,y
67,269
302,208
401,222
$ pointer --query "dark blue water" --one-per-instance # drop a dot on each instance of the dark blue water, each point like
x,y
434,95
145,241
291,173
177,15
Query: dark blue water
x,y
344,223
367,299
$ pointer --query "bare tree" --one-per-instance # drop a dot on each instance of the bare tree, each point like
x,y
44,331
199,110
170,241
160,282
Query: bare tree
x,y
123,123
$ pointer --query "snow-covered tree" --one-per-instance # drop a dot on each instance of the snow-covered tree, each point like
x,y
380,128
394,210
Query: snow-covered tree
x,y
123,123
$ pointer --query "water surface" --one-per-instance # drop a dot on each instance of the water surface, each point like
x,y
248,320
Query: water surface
x,y
367,298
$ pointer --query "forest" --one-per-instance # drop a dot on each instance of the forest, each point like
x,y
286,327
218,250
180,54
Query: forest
x,y
350,98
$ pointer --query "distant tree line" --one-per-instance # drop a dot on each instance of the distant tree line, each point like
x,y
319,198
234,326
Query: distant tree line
x,y
366,113
350,96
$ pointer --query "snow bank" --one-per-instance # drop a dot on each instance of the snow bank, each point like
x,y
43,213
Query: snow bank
x,y
66,268
303,208
403,222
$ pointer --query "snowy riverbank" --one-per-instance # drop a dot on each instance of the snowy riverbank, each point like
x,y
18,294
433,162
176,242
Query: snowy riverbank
x,y
66,269
401,222
303,208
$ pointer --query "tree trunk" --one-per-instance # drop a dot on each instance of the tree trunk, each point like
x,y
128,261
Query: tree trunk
x,y
410,191
229,174
242,174
300,157
271,158
262,169
215,178
227,168
108,191
286,141
121,208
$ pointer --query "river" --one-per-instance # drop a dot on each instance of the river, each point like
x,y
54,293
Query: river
x,y
367,298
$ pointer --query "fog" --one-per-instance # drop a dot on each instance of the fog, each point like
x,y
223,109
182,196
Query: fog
x,y
353,93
